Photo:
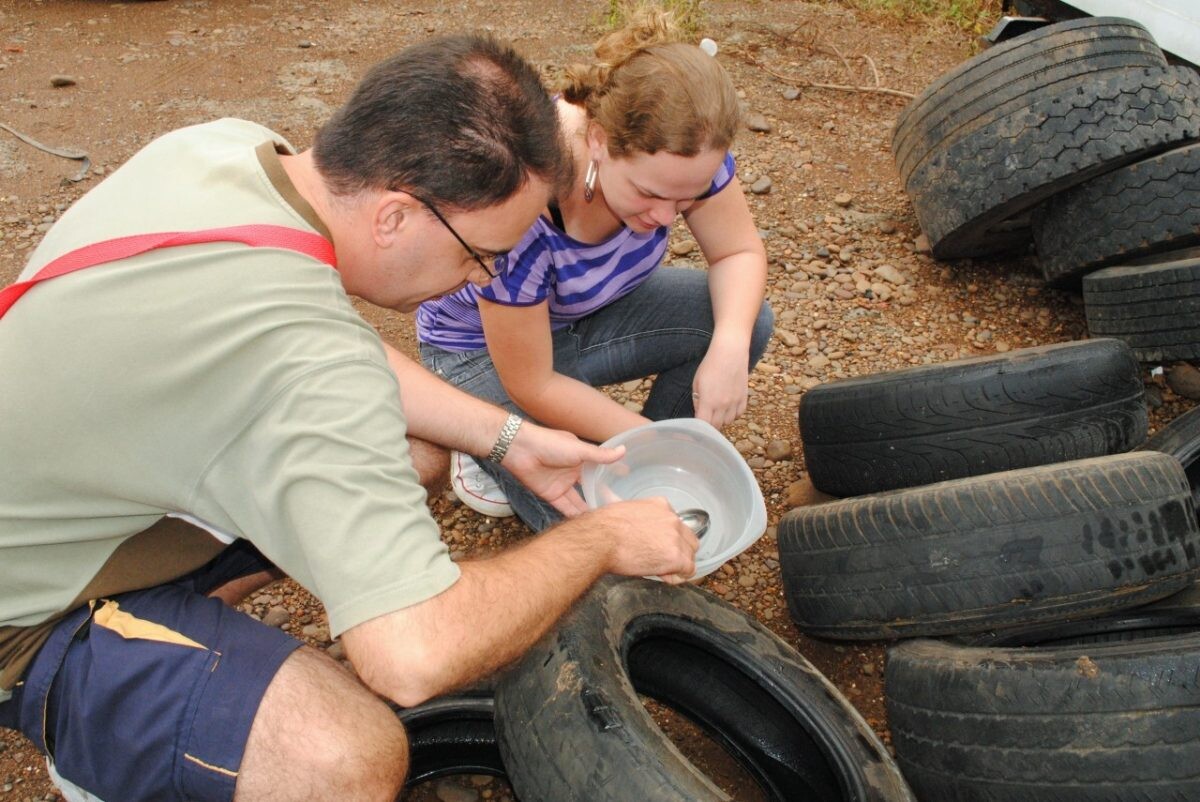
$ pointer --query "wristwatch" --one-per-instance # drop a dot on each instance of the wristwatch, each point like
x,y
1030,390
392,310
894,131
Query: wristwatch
x,y
508,433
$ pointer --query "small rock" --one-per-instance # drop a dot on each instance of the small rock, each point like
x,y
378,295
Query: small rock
x,y
843,199
801,493
921,244
1184,379
305,44
757,122
778,450
62,80
683,247
791,93
1002,347
276,617
762,186
891,275
450,791
747,581
887,227
868,669
481,780
1154,398
336,650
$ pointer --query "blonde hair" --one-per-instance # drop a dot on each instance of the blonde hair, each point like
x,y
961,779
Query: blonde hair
x,y
649,91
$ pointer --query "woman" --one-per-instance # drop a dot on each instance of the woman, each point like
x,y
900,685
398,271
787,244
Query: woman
x,y
582,301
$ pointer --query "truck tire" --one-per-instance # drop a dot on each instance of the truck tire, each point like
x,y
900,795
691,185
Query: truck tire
x,y
1076,713
973,191
1149,207
1181,439
1151,307
572,728
967,417
1037,544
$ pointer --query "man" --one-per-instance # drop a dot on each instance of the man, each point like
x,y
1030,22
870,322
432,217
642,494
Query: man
x,y
158,407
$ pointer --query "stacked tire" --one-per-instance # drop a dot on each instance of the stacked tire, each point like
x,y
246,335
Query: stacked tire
x,y
1081,139
995,502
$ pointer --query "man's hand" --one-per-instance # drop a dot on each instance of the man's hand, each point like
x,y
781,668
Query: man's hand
x,y
648,539
549,462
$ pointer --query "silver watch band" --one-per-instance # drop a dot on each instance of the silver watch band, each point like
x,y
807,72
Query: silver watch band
x,y
508,433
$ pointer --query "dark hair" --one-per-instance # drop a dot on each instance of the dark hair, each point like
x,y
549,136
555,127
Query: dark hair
x,y
462,121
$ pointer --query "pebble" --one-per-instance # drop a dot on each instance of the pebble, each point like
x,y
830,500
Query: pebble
x,y
683,247
843,199
336,650
778,450
887,227
757,122
450,791
305,44
801,493
762,186
1154,397
791,93
1184,379
276,617
891,275
62,80
921,244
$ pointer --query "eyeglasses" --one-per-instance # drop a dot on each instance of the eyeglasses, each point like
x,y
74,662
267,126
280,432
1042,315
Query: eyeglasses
x,y
474,254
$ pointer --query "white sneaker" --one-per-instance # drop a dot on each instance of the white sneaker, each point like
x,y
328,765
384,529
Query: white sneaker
x,y
477,489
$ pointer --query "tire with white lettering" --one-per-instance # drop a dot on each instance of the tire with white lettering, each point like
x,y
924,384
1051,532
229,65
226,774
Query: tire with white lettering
x,y
1153,308
1094,710
1040,544
1149,207
573,729
1053,403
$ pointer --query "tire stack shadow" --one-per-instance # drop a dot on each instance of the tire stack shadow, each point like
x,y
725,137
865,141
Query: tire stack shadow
x,y
1010,506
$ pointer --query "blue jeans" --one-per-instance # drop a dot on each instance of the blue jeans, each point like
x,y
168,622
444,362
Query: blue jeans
x,y
663,329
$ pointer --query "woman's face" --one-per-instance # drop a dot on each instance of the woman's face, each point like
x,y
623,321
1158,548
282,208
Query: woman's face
x,y
646,191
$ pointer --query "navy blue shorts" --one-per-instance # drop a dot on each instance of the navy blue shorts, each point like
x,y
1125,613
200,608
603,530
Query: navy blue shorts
x,y
149,695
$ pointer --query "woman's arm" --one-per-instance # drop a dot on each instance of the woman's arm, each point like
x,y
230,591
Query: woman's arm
x,y
737,281
519,341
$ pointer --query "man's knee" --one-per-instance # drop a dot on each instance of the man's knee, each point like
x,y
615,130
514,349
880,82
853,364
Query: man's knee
x,y
319,729
432,463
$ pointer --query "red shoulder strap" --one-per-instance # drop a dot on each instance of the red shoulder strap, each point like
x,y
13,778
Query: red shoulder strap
x,y
260,236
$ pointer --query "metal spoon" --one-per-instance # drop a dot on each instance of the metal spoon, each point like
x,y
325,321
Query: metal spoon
x,y
695,519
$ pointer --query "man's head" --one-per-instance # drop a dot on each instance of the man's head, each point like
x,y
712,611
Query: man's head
x,y
454,134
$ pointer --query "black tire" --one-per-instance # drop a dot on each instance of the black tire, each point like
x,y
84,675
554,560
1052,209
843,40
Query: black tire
x,y
972,194
928,424
1181,439
452,735
1149,207
1106,714
1151,307
1037,544
1004,79
572,728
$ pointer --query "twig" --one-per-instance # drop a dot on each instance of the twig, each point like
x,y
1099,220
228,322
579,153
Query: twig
x,y
838,53
871,63
794,81
66,153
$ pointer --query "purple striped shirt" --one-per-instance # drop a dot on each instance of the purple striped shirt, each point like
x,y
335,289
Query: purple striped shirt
x,y
576,278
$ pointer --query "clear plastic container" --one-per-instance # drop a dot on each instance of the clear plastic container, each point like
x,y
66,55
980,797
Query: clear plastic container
x,y
692,465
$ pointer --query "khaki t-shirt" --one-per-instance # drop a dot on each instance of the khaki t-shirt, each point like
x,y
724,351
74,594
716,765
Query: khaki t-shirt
x,y
232,384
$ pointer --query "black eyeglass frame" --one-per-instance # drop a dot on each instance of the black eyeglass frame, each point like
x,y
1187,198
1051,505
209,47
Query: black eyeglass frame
x,y
474,254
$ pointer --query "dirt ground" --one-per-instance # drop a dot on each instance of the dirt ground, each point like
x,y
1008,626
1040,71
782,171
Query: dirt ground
x,y
827,201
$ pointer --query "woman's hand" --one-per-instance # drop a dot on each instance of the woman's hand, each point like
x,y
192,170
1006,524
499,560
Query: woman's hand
x,y
720,388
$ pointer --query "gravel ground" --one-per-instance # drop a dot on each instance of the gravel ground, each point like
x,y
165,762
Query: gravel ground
x,y
852,284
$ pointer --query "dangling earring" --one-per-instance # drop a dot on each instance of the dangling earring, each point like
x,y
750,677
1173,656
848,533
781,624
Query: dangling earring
x,y
589,181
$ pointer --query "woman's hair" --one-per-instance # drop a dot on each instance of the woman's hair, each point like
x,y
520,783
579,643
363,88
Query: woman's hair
x,y
651,92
